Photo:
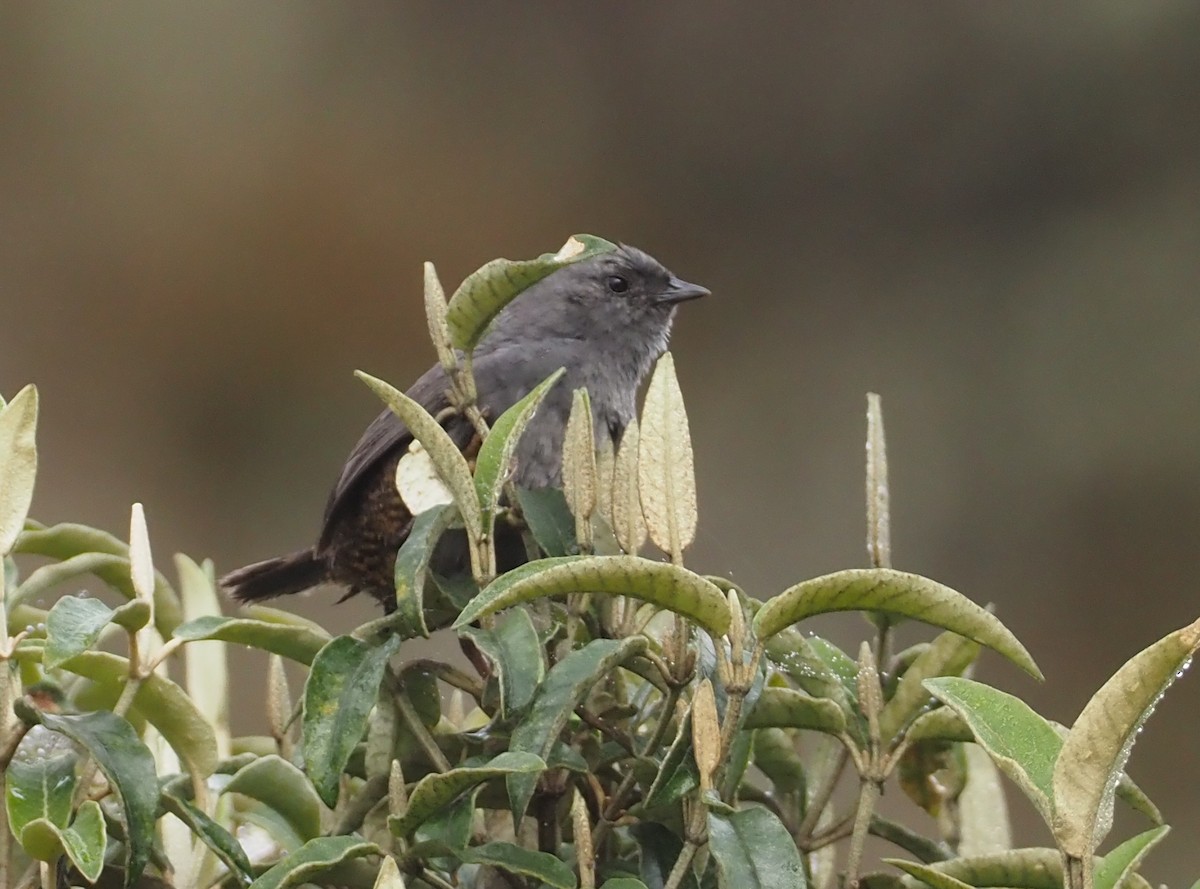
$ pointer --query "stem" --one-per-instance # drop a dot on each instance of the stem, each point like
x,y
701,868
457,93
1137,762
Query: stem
x,y
821,798
867,798
682,863
413,721
434,880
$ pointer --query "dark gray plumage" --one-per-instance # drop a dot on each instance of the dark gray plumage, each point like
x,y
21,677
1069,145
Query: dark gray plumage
x,y
605,320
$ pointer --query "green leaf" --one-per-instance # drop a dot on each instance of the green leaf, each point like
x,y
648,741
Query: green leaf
x,y
948,655
314,858
129,768
667,586
1021,743
223,844
1098,744
928,875
493,466
436,791
565,686
40,785
984,827
73,626
447,459
47,577
623,883
882,589
523,862
485,292
67,540
776,756
753,850
790,708
451,827
86,840
1026,868
516,655
281,786
549,520
677,774
666,470
941,724
299,642
18,464
1126,858
338,697
412,565
159,701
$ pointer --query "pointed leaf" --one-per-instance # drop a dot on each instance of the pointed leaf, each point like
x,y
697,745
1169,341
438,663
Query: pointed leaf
x,y
299,642
86,840
628,523
485,292
129,768
948,655
447,458
1022,743
278,784
314,858
338,697
73,626
1125,859
753,850
18,464
141,563
941,724
882,589
666,473
516,655
667,586
494,465
435,315
927,874
514,859
1097,746
436,791
66,540
564,688
222,843
46,577
412,567
549,520
790,708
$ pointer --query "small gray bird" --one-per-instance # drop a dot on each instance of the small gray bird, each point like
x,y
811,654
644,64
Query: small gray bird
x,y
605,320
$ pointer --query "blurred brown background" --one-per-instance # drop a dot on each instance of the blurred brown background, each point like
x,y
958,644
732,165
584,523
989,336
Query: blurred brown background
x,y
989,213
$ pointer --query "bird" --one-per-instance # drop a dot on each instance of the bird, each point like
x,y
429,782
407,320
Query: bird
x,y
605,320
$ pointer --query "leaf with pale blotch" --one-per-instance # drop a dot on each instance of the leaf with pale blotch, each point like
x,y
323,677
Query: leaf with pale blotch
x,y
18,463
141,563
666,473
1123,861
451,465
436,791
948,655
667,586
579,459
418,482
883,589
982,809
494,465
314,858
435,315
628,523
792,708
1098,744
486,291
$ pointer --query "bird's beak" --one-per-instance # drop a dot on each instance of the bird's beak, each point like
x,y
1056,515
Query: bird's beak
x,y
678,291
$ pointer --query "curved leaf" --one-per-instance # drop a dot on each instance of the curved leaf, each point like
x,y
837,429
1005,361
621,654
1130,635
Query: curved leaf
x,y
1125,859
72,627
927,874
948,655
47,577
493,466
753,850
437,790
451,465
18,464
565,686
789,708
516,654
63,541
281,786
882,589
341,690
314,858
299,642
129,768
1031,868
667,586
223,844
486,291
540,866
666,471
412,565
1098,744
40,783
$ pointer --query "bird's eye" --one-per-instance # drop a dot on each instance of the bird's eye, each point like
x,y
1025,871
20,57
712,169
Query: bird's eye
x,y
617,284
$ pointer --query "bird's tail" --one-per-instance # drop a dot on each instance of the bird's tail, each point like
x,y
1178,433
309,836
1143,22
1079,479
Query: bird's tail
x,y
280,576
